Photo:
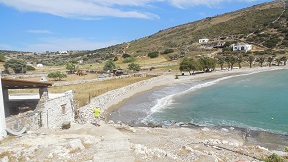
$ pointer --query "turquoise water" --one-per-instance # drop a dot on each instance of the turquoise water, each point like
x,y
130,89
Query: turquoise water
x,y
256,101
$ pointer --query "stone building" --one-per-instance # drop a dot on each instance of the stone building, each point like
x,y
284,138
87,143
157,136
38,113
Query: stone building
x,y
33,111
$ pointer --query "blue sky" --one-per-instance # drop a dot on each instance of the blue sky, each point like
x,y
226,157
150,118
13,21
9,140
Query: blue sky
x,y
57,25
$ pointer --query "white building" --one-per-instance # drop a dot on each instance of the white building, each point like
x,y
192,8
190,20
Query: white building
x,y
205,40
63,52
39,65
242,47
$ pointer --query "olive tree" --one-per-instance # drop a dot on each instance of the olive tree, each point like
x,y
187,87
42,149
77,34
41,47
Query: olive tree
x,y
18,66
189,64
109,65
207,63
134,67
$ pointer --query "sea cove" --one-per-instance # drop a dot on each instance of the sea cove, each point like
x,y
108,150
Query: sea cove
x,y
251,101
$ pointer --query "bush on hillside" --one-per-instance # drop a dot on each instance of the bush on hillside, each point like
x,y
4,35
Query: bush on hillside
x,y
126,55
167,51
129,59
30,68
153,54
134,67
57,75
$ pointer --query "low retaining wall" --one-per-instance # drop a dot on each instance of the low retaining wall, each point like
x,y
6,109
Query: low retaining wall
x,y
86,112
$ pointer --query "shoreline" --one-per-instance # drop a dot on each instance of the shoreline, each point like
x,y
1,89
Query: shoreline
x,y
111,101
170,80
114,99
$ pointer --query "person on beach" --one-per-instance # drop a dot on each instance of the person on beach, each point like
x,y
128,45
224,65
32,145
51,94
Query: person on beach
x,y
97,115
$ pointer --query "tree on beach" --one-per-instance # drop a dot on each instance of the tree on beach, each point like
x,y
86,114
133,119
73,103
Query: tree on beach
x,y
207,63
250,60
189,64
284,59
221,62
239,61
261,60
233,60
270,59
227,59
278,60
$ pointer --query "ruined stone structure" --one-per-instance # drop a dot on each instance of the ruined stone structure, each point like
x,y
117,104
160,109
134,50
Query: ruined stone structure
x,y
31,114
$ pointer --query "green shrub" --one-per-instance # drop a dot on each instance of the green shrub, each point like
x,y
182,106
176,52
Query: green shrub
x,y
30,68
66,125
57,75
126,55
274,158
129,59
167,51
286,149
153,54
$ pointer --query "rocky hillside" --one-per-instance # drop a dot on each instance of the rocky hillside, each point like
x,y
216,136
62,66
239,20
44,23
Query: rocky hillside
x,y
264,24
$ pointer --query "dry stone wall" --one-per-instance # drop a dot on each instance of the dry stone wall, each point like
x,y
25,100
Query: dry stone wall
x,y
86,112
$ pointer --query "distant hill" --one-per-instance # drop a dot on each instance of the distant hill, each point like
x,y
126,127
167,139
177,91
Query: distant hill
x,y
264,25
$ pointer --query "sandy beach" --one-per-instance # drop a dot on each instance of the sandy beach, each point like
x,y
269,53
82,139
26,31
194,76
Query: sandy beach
x,y
120,142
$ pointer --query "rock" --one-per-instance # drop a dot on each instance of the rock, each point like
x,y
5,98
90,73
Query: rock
x,y
4,159
224,130
205,129
187,148
262,148
110,122
225,142
75,145
88,140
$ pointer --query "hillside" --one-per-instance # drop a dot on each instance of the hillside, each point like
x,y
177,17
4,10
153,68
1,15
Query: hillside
x,y
263,25
239,24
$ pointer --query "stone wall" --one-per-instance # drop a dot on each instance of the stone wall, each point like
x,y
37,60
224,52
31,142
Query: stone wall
x,y
86,112
50,113
30,119
58,111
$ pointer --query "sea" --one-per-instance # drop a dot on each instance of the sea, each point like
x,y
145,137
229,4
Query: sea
x,y
254,102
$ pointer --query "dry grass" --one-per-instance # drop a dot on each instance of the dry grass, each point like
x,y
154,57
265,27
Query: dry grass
x,y
84,92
